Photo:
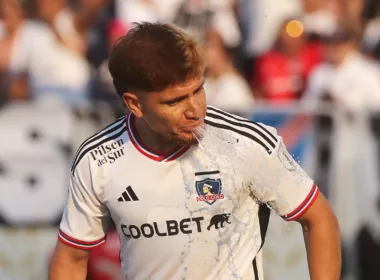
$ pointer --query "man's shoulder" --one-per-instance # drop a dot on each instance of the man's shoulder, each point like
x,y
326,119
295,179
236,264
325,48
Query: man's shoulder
x,y
39,31
322,71
257,133
90,148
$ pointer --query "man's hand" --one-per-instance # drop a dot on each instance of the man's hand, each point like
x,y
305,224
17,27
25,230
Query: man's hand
x,y
68,263
322,240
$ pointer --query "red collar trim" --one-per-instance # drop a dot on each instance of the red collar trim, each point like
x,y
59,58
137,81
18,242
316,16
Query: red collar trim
x,y
150,153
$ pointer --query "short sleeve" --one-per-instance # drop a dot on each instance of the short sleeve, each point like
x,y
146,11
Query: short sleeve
x,y
283,184
85,218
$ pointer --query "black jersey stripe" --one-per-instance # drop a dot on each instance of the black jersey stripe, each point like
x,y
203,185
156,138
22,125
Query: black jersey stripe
x,y
243,133
255,270
111,137
109,129
264,215
237,124
206,173
240,119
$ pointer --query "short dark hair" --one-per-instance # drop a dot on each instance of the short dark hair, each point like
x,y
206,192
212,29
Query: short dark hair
x,y
153,57
343,32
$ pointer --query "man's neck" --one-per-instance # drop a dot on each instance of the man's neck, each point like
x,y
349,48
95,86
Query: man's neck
x,y
345,56
11,31
151,139
221,70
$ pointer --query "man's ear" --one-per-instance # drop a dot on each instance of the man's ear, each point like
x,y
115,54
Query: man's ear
x,y
133,103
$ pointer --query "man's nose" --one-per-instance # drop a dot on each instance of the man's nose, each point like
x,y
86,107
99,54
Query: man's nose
x,y
194,110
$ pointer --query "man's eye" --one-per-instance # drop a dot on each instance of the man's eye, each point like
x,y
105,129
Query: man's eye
x,y
200,90
172,103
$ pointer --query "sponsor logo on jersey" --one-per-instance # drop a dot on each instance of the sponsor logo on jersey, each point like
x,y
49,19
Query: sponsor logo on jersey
x,y
286,159
173,227
108,153
128,195
218,221
209,190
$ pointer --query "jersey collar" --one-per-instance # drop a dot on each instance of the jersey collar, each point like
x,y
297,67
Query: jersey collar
x,y
152,154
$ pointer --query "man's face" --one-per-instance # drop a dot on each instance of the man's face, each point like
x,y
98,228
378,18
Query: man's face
x,y
47,9
176,112
334,52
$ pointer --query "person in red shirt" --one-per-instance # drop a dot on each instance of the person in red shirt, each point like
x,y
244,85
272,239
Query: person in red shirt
x,y
280,74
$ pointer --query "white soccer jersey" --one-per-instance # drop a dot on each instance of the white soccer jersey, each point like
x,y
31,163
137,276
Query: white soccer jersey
x,y
184,215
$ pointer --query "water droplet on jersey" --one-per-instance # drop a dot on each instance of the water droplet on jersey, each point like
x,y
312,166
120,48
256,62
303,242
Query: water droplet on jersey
x,y
238,158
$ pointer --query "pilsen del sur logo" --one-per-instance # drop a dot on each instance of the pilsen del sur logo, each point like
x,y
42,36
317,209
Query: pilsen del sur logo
x,y
209,190
108,153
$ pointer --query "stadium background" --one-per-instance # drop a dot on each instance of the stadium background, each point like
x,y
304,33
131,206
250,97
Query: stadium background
x,y
267,60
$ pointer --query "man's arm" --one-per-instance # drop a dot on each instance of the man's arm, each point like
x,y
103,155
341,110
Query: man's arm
x,y
322,240
290,191
68,263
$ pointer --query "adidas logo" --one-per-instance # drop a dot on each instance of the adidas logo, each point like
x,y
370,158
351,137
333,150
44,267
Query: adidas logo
x,y
128,195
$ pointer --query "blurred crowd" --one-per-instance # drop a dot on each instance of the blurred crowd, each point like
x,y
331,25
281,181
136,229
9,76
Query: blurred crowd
x,y
276,52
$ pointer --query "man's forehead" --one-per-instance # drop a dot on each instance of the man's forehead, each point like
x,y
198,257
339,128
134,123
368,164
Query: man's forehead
x,y
195,82
187,87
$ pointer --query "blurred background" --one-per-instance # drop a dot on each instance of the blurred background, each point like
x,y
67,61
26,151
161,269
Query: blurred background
x,y
307,67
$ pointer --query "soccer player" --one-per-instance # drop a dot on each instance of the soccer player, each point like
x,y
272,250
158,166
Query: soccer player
x,y
180,210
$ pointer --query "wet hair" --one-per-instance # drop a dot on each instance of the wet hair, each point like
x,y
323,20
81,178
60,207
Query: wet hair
x,y
153,57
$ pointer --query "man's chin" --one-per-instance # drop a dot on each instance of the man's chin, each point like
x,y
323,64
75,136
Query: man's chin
x,y
188,141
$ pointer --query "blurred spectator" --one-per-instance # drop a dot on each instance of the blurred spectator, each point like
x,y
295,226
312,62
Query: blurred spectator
x,y
57,16
347,77
225,87
98,43
261,20
9,22
168,9
353,10
196,16
319,16
39,65
371,34
281,74
17,31
103,88
352,83
129,11
72,23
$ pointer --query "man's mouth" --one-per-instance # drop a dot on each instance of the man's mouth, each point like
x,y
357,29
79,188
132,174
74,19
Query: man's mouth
x,y
192,128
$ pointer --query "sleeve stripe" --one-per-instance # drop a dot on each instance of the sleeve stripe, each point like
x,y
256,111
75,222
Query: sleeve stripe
x,y
68,243
68,240
300,210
